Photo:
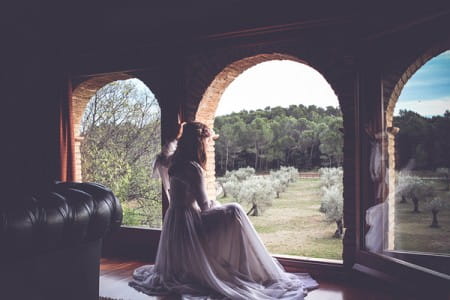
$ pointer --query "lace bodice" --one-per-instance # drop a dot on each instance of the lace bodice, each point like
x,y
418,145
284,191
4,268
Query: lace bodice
x,y
180,194
187,188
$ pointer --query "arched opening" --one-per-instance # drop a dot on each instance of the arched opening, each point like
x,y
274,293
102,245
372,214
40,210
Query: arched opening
x,y
118,134
80,99
419,114
208,105
279,142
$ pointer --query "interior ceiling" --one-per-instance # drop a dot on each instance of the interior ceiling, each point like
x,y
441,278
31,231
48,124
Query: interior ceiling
x,y
80,25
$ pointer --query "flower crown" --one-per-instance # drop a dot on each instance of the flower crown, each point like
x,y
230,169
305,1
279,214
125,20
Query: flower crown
x,y
204,132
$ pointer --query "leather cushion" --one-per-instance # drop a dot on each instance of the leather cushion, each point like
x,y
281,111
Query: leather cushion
x,y
66,214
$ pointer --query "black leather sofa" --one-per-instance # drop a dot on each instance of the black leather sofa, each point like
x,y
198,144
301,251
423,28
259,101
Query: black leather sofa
x,y
50,242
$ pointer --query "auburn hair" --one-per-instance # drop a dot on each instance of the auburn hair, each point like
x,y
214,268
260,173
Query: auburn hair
x,y
192,143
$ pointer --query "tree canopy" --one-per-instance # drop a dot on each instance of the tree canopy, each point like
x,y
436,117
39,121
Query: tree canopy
x,y
305,137
122,135
422,143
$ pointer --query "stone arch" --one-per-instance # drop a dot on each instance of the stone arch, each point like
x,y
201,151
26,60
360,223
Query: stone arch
x,y
406,75
210,100
81,95
391,131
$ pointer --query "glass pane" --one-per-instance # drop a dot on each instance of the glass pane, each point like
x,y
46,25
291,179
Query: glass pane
x,y
422,160
409,168
279,155
120,137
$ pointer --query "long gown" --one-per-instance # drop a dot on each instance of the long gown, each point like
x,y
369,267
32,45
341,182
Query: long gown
x,y
212,251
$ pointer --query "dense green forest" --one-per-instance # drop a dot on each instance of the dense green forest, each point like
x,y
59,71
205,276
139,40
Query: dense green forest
x,y
310,137
305,137
422,143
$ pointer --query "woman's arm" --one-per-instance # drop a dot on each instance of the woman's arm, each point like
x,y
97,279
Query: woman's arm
x,y
161,165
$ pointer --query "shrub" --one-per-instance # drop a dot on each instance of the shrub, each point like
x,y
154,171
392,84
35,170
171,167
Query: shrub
x,y
435,205
229,181
413,188
332,197
258,192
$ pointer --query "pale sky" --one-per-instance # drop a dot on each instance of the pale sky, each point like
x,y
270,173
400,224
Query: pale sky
x,y
427,92
276,83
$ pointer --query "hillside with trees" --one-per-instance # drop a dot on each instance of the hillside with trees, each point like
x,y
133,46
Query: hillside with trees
x,y
310,137
304,137
422,143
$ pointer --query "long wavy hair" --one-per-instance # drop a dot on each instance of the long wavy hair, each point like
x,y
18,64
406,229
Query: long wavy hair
x,y
192,143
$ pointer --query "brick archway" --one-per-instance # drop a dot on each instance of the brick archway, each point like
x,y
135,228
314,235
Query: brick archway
x,y
80,98
407,74
392,131
210,100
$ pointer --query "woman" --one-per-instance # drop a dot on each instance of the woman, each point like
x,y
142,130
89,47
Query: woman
x,y
207,249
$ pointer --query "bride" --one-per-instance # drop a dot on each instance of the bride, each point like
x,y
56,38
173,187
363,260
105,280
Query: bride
x,y
208,250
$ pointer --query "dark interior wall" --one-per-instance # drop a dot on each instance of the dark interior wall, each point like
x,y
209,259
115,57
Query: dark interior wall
x,y
177,53
31,79
30,69
43,43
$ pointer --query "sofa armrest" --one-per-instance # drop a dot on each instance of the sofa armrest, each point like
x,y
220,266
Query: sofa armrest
x,y
67,214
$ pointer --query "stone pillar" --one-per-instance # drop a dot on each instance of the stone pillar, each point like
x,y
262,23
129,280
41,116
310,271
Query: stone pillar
x,y
391,133
210,176
78,172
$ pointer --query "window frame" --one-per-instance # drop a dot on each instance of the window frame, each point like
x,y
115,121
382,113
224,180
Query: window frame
x,y
366,89
394,267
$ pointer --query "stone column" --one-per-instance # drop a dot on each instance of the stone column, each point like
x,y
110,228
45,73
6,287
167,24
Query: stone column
x,y
205,117
78,173
391,133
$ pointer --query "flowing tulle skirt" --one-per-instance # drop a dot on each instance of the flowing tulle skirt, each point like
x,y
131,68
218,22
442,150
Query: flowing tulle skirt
x,y
216,254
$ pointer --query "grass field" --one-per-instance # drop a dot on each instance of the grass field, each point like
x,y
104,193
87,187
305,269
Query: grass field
x,y
413,231
294,225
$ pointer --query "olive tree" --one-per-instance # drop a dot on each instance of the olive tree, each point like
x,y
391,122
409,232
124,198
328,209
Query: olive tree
x,y
435,205
280,181
243,173
332,197
446,173
230,181
413,188
330,176
333,202
291,172
258,192
233,187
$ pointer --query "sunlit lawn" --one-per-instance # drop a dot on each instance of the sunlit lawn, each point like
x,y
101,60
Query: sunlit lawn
x,y
413,231
294,225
